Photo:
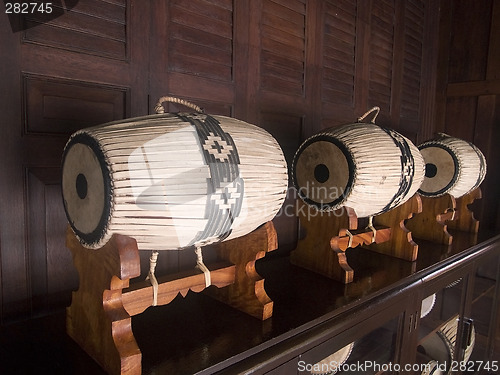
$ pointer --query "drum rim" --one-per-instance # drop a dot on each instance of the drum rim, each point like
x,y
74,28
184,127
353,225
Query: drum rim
x,y
99,232
350,164
454,180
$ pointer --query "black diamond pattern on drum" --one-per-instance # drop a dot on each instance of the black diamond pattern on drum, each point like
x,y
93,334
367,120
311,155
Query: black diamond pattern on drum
x,y
217,147
225,187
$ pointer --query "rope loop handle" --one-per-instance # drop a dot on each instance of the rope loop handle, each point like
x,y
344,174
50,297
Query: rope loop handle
x,y
159,108
374,109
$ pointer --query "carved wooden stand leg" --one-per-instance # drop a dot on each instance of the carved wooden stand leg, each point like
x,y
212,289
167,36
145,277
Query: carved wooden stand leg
x,y
430,224
330,234
99,318
247,293
401,244
96,319
313,252
464,219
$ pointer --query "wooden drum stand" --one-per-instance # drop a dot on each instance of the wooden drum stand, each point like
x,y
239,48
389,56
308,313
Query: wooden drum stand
x,y
99,318
440,213
329,234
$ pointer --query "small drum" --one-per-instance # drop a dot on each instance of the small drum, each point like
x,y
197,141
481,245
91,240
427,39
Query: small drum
x,y
333,363
427,305
452,166
363,166
171,180
440,346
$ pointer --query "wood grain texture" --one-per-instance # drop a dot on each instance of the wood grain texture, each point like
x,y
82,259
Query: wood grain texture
x,y
96,319
430,224
94,26
401,244
314,251
464,219
247,293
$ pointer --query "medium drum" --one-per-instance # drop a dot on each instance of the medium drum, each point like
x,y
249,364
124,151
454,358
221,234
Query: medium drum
x,y
171,180
363,166
452,166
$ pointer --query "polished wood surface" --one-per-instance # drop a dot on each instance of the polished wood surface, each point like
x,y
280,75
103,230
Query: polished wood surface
x,y
196,334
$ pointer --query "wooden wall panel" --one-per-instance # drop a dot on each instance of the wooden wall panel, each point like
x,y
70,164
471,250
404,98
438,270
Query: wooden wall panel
x,y
64,106
80,69
468,107
92,26
381,55
338,49
412,61
283,47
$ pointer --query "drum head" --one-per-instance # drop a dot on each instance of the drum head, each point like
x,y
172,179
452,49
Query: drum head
x,y
441,169
86,188
323,172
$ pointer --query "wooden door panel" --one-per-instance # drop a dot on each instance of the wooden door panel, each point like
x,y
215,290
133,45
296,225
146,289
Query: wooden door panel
x,y
95,27
81,69
63,106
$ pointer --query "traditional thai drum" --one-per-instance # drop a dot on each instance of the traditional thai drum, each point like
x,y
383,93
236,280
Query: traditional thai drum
x,y
366,167
171,180
333,363
452,166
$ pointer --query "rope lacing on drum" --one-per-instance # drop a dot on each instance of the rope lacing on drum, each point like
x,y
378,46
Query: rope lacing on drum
x,y
159,109
151,275
374,109
201,266
370,226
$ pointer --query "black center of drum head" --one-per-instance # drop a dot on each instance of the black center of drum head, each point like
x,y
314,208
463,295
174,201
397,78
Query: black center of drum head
x,y
321,173
81,186
430,170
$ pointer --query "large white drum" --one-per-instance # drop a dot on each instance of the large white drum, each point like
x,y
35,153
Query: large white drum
x,y
366,167
171,180
452,166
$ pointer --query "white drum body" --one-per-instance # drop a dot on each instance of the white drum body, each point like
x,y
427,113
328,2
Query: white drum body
x,y
171,180
452,166
363,166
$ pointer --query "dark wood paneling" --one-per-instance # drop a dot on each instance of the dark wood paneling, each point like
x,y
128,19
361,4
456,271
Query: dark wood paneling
x,y
381,55
283,47
470,33
339,33
93,26
469,108
64,106
58,78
